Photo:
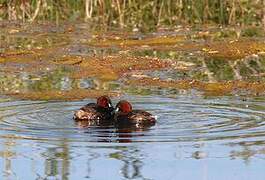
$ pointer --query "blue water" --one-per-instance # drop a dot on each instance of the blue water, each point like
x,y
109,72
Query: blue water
x,y
195,137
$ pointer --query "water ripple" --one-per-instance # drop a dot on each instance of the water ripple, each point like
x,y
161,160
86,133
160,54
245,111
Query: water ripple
x,y
183,118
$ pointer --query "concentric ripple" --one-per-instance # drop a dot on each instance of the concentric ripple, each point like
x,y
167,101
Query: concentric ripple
x,y
182,118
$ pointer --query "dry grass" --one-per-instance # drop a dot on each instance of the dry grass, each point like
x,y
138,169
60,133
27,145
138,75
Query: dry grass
x,y
137,14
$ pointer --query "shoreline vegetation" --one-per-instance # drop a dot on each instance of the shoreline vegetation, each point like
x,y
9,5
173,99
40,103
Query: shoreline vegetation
x,y
137,15
53,50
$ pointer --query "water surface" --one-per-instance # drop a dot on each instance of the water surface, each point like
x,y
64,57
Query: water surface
x,y
195,137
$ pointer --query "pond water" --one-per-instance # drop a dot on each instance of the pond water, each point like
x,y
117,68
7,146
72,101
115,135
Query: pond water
x,y
195,137
206,86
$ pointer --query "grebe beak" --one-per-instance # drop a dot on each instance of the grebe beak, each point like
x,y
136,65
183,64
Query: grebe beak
x,y
116,109
109,105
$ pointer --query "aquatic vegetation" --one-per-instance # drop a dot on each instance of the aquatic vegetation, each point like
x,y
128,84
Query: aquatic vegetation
x,y
75,94
155,41
121,62
209,88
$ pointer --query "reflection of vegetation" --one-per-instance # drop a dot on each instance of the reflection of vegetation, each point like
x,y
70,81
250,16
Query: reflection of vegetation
x,y
147,41
132,166
212,88
226,49
55,80
220,69
8,154
114,62
75,77
31,42
139,14
57,161
249,150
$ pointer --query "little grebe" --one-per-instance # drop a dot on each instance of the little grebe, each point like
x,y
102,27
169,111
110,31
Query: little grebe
x,y
102,110
126,116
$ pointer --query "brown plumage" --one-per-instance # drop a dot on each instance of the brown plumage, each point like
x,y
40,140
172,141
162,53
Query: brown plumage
x,y
126,116
96,112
